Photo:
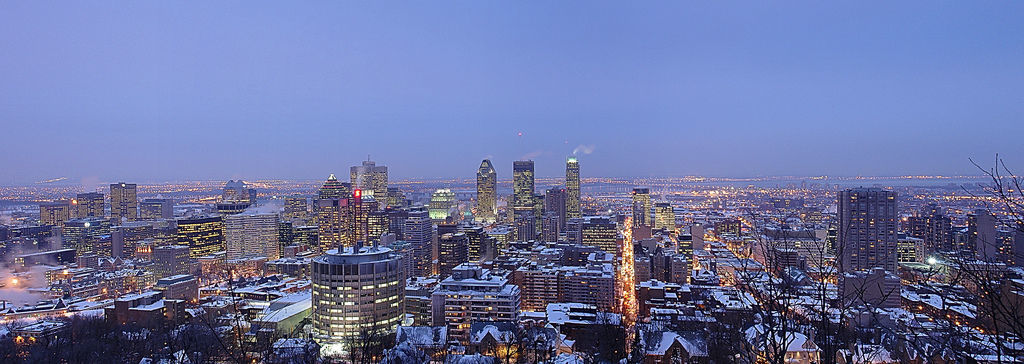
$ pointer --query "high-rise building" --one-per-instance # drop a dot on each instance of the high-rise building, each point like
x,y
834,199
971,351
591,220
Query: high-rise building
x,y
419,232
88,236
170,260
357,292
332,188
572,187
933,228
124,202
486,193
362,208
642,208
441,203
550,227
982,235
481,245
55,213
664,216
525,224
156,208
452,250
372,179
601,232
396,198
556,202
867,229
125,238
202,235
522,185
251,234
335,223
472,294
296,209
89,204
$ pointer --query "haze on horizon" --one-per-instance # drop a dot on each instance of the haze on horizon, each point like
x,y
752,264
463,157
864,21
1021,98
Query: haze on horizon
x,y
253,90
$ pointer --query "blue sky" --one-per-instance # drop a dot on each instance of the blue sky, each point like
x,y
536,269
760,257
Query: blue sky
x,y
145,91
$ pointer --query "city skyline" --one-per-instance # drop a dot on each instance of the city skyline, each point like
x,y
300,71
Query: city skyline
x,y
762,90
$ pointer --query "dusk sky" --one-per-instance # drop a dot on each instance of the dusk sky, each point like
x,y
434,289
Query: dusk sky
x,y
151,91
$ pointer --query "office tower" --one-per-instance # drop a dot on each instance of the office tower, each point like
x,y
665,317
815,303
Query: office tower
x,y
452,250
396,198
572,188
89,205
362,206
522,185
170,260
550,227
372,179
481,246
600,232
202,235
335,223
55,213
334,189
126,237
931,226
419,232
124,202
156,208
472,294
441,203
697,232
556,202
357,292
296,209
307,236
642,207
378,225
486,193
250,235
867,229
982,235
525,225
396,221
88,236
574,230
664,216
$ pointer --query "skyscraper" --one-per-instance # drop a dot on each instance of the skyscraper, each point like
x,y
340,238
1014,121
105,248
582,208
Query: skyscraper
x,y
250,235
572,187
357,291
334,222
89,205
452,250
441,203
664,216
202,235
522,185
642,213
419,232
556,203
931,226
236,197
55,213
296,209
486,193
867,229
156,208
124,202
332,188
982,235
372,179
600,232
